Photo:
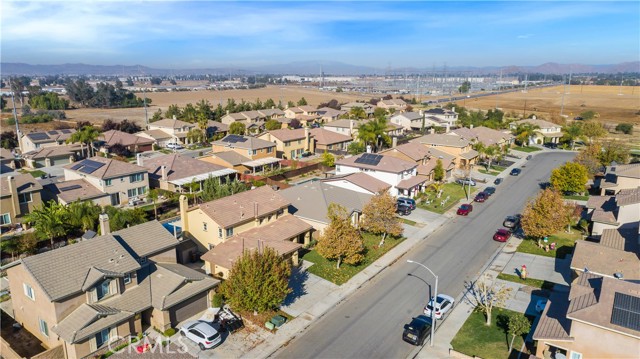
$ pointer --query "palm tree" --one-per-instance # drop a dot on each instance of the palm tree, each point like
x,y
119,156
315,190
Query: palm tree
x,y
153,195
357,113
86,135
572,132
49,220
373,132
491,152
480,148
523,132
84,215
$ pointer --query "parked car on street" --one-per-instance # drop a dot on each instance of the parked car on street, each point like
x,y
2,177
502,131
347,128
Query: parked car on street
x,y
174,146
511,221
515,171
497,181
489,190
417,331
465,209
502,235
201,333
481,197
403,209
444,303
465,182
407,201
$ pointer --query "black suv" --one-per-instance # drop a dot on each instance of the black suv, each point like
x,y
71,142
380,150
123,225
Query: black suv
x,y
417,331
515,171
403,209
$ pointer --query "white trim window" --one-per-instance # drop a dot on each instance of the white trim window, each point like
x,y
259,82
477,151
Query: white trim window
x,y
25,197
576,355
28,291
136,177
5,218
44,328
127,278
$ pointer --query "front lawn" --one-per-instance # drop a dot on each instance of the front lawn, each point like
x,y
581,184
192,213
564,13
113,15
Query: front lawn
x,y
527,149
537,283
408,221
35,174
327,269
490,173
564,244
577,198
454,191
476,339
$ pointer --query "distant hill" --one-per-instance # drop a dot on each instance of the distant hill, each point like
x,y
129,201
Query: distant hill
x,y
311,68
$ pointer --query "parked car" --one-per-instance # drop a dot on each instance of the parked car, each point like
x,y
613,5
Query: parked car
x,y
444,303
515,171
407,201
417,331
489,190
403,209
201,333
502,235
511,222
465,182
465,209
174,146
481,197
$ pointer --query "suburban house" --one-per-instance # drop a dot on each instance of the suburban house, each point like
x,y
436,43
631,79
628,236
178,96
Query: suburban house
x,y
36,140
132,143
160,137
215,128
618,177
123,181
442,116
174,127
546,131
486,136
457,146
325,140
410,121
358,182
253,120
350,127
310,202
619,211
86,296
19,195
177,173
7,160
426,158
306,115
53,155
367,107
596,310
395,105
244,153
249,220
67,192
290,144
614,256
401,175
328,114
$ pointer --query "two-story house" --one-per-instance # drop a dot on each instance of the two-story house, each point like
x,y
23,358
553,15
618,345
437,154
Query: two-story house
x,y
225,227
122,181
410,121
175,128
246,154
393,105
132,143
619,211
545,132
88,295
367,107
328,114
19,195
615,255
350,127
486,136
7,160
457,146
444,117
401,175
325,140
36,140
426,158
290,143
618,177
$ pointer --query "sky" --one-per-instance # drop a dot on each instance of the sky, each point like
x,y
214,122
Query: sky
x,y
380,34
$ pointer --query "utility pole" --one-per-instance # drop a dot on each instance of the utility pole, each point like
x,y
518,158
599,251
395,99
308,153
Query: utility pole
x,y
570,73
620,88
146,115
15,118
563,92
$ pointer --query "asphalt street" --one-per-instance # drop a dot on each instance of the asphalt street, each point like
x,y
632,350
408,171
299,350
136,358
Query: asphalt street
x,y
369,324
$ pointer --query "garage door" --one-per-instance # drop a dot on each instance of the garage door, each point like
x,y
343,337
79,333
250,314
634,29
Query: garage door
x,y
188,308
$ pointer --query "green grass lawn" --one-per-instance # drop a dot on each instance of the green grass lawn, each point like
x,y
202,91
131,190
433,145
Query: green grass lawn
x,y
476,339
527,149
541,284
453,190
327,269
564,244
408,221
577,198
35,174
490,173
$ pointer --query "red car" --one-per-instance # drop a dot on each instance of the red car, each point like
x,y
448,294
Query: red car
x,y
502,235
481,197
465,209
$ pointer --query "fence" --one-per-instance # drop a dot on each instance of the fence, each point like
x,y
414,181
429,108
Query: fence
x,y
7,351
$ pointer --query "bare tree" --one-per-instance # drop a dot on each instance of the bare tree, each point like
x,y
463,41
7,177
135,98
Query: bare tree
x,y
484,295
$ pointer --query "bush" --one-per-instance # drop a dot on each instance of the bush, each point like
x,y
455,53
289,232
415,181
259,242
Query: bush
x,y
217,301
625,128
169,332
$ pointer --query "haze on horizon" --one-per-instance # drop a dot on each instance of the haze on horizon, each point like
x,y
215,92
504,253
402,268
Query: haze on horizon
x,y
201,34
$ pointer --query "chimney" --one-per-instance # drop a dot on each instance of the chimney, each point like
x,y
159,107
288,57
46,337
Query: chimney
x,y
104,224
453,109
448,128
255,209
306,139
139,161
432,130
163,170
13,189
394,142
184,218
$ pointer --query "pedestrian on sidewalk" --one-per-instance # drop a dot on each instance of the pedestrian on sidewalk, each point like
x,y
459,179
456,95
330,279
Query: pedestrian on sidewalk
x,y
523,272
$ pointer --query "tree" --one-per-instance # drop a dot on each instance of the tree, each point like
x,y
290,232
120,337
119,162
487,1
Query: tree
x,y
129,126
544,215
272,125
49,220
86,136
438,171
570,177
379,216
173,111
237,128
213,189
328,159
465,87
3,103
374,133
153,195
258,281
8,140
523,132
129,81
589,157
26,243
109,125
340,241
572,132
291,104
485,295
83,215
589,115
157,116
355,148
626,128
593,130
195,135
491,152
357,113
518,324
121,218
614,151
379,112
48,101
295,123
119,149
156,81
302,102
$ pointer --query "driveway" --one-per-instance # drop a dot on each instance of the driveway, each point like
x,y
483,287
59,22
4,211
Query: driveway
x,y
307,290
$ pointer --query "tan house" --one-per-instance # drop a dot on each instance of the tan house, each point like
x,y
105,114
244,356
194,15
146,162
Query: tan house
x,y
261,154
19,195
177,173
546,131
53,155
619,177
174,127
67,192
328,114
596,319
123,181
615,256
485,135
457,146
325,140
367,107
425,157
117,285
7,160
350,127
290,144
395,105
442,117
358,182
159,137
132,143
225,226
619,211
36,140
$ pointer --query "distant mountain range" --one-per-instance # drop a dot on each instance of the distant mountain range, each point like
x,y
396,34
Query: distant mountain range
x,y
311,68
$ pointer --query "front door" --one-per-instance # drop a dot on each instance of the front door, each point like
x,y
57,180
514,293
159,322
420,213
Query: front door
x,y
115,199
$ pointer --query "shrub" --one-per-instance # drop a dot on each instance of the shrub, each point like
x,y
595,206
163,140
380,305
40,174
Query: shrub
x,y
626,128
169,332
218,300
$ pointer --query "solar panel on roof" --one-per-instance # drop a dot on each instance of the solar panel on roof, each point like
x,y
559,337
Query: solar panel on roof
x,y
92,163
369,159
75,167
52,132
241,139
66,131
626,311
38,136
69,188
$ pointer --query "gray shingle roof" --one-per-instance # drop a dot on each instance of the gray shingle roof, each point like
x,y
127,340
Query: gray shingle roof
x,y
146,239
178,166
232,157
87,320
174,283
111,168
386,164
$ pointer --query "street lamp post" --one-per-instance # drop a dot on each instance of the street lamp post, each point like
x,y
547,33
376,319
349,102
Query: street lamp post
x,y
433,309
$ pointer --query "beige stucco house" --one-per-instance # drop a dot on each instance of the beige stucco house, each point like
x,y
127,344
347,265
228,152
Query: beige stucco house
x,y
290,143
325,140
35,140
393,105
619,211
486,136
546,131
245,154
619,177
53,155
426,158
19,195
177,129
457,146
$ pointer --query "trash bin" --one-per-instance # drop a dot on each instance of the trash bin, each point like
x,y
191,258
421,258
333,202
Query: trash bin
x,y
278,320
269,325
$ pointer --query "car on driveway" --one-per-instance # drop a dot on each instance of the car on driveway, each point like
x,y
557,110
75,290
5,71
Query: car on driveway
x,y
465,182
465,209
497,181
511,221
444,303
502,235
201,333
481,197
403,209
489,190
407,201
417,331
515,171
174,146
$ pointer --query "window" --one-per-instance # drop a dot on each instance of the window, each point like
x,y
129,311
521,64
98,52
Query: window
x,y
44,328
219,232
576,355
102,290
108,182
269,149
28,291
127,278
102,337
204,226
142,190
255,152
136,177
229,232
132,192
5,218
142,260
299,142
24,197
287,143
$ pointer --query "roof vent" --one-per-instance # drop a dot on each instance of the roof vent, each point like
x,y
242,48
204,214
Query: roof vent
x,y
617,275
110,260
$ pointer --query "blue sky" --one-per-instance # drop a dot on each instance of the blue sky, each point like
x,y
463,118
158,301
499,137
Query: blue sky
x,y
199,34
